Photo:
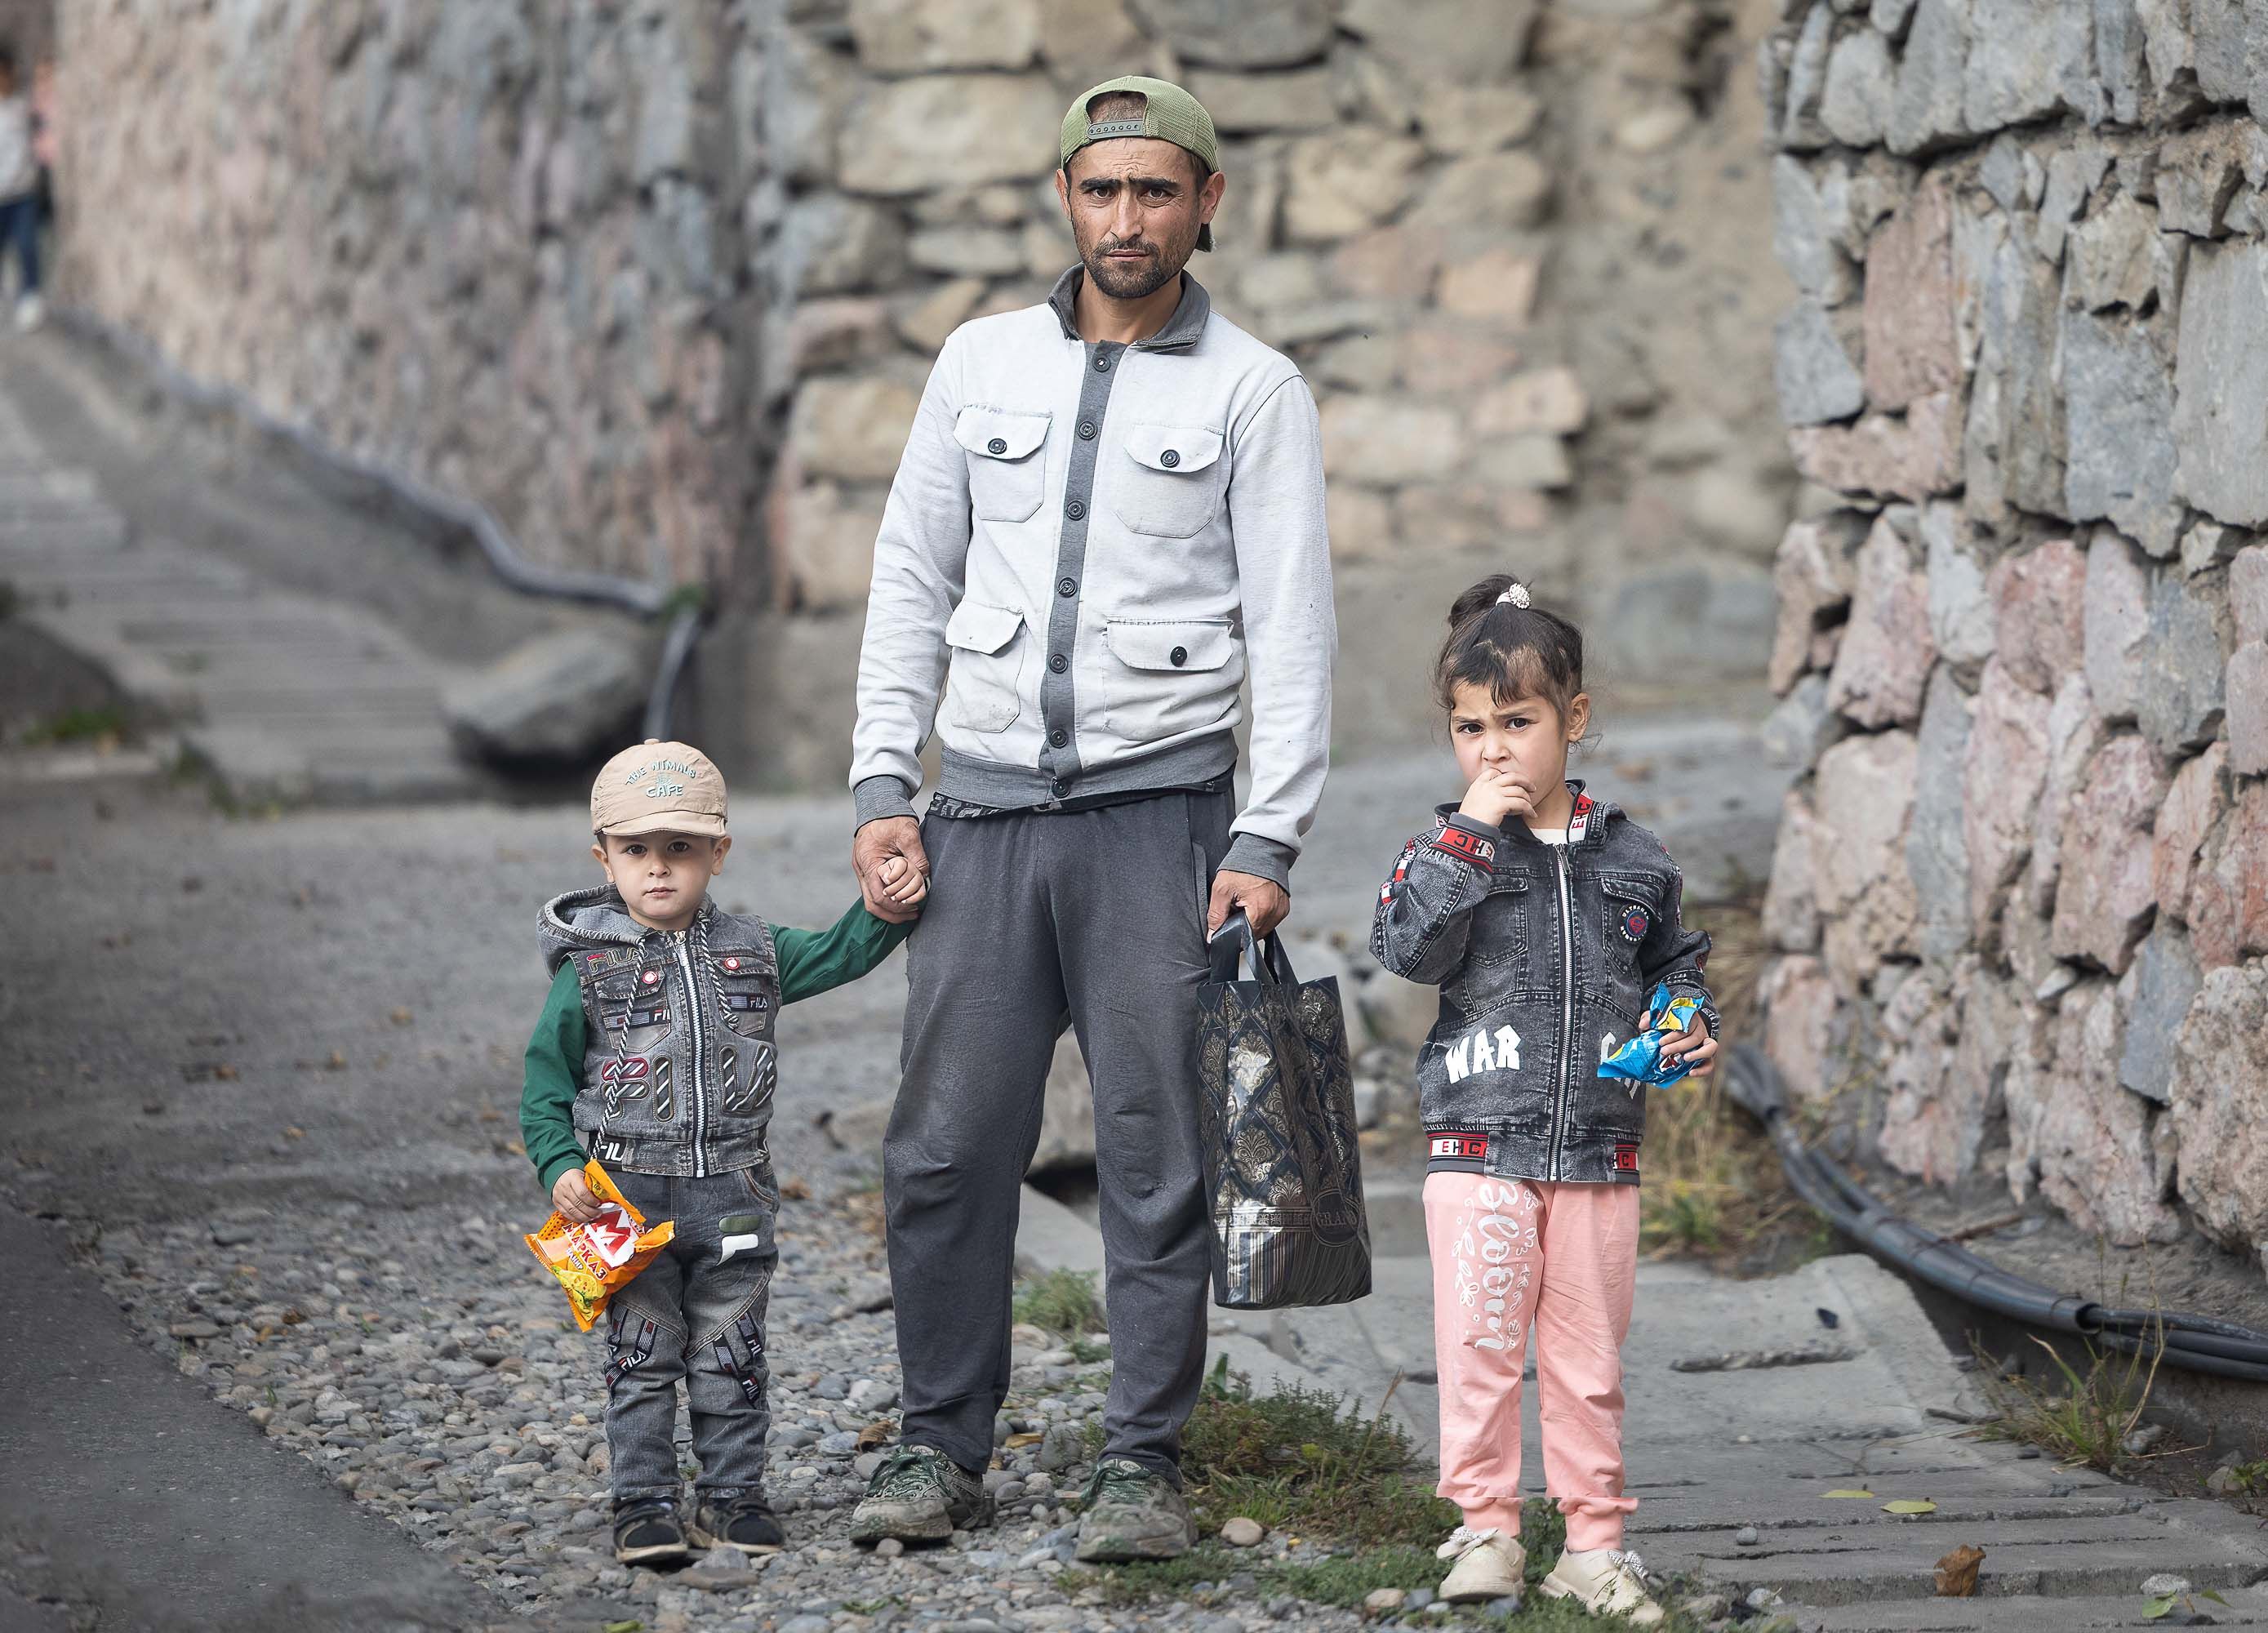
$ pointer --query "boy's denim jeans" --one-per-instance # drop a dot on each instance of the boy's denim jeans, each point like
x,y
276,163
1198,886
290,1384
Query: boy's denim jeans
x,y
19,228
696,1313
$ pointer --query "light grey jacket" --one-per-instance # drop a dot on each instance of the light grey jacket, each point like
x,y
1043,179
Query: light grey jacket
x,y
1104,540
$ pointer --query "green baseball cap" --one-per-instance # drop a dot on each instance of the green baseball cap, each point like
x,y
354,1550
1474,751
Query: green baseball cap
x,y
1169,115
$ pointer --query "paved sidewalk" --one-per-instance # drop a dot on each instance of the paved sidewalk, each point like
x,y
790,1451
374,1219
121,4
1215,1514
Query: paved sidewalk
x,y
282,696
130,1502
1713,1452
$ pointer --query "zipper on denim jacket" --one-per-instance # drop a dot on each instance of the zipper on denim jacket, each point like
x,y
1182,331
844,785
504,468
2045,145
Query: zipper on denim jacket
x,y
700,1057
1567,1008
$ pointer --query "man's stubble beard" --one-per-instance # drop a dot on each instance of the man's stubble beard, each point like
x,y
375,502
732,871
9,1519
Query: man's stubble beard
x,y
1130,283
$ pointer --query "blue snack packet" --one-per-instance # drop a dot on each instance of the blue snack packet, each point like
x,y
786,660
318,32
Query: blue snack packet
x,y
1639,1060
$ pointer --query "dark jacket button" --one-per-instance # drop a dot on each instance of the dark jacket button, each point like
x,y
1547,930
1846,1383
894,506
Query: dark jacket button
x,y
1067,587
1058,663
1086,431
1179,656
998,444
1075,509
1169,459
1059,737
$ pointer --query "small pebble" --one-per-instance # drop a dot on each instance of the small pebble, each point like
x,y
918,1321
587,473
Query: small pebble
x,y
1242,1533
888,1548
1746,1536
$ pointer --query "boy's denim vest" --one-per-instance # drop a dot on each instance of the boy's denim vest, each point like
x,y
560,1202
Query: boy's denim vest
x,y
680,1063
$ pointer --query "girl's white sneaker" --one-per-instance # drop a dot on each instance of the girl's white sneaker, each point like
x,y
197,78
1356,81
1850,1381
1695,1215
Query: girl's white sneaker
x,y
1606,1581
1488,1565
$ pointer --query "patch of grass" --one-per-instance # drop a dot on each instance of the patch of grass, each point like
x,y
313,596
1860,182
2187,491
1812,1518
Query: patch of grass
x,y
1306,1463
1086,1353
80,725
2251,1478
2084,1424
1210,1572
1062,1301
1713,1186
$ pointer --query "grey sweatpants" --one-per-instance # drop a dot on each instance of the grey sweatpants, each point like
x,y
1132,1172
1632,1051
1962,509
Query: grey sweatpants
x,y
1035,919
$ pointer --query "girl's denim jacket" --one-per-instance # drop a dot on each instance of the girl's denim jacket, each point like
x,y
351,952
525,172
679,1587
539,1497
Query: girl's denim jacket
x,y
1545,956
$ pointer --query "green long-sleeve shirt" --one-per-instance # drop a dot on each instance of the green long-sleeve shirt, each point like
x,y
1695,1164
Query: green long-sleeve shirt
x,y
810,961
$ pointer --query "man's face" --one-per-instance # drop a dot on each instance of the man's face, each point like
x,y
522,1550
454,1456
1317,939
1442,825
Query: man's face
x,y
1135,204
662,877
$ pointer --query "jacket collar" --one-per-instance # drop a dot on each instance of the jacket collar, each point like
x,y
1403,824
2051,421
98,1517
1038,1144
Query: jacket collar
x,y
1182,330
1586,826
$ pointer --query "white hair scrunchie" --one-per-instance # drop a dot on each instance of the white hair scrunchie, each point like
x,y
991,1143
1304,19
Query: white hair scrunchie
x,y
1517,595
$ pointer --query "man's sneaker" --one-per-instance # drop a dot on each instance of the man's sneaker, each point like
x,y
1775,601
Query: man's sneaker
x,y
745,1523
647,1533
1606,1581
920,1495
1129,1512
1488,1565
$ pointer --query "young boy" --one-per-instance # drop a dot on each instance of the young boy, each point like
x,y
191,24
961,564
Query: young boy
x,y
656,1054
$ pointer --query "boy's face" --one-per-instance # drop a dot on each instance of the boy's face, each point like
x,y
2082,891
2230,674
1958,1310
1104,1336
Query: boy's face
x,y
1526,737
662,877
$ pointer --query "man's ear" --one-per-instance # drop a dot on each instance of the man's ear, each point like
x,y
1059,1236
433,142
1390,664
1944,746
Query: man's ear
x,y
1209,197
1063,189
723,846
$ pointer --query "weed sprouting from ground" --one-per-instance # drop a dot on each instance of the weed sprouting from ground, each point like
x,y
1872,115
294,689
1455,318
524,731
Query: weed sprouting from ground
x,y
1062,1301
2087,1421
80,725
1713,1186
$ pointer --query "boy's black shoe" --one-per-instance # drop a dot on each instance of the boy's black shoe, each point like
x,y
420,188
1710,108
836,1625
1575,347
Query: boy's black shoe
x,y
745,1523
647,1533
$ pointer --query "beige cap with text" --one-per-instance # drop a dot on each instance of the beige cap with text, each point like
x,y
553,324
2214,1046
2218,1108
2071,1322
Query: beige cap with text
x,y
658,788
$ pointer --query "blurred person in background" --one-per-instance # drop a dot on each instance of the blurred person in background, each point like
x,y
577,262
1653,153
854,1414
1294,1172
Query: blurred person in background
x,y
20,191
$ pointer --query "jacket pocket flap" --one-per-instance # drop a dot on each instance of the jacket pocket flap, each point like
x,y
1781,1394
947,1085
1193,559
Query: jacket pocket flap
x,y
1502,881
977,628
999,434
1630,887
1176,449
1169,646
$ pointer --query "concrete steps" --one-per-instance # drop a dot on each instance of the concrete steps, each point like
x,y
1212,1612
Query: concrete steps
x,y
280,697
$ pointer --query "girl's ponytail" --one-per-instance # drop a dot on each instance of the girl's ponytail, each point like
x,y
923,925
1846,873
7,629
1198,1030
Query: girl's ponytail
x,y
1498,640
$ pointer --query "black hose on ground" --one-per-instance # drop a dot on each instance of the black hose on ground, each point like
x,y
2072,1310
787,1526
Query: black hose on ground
x,y
646,599
2195,1342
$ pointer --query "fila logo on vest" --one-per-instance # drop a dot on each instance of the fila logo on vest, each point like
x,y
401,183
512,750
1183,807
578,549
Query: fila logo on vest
x,y
1483,1051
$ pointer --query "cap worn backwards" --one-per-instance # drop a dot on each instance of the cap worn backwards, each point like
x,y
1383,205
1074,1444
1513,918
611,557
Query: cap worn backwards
x,y
658,788
1170,113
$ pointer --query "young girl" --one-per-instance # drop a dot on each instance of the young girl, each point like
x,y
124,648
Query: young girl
x,y
1546,918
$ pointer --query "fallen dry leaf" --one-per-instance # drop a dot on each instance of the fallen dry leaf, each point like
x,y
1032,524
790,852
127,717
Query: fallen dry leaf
x,y
1851,1492
1956,1572
795,1190
402,1016
1910,1505
1024,1440
875,1434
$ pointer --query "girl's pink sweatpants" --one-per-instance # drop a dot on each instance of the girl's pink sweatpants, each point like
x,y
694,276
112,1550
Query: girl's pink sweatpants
x,y
1506,1253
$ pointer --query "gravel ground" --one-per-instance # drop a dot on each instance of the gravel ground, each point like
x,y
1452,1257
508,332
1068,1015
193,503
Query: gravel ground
x,y
445,1387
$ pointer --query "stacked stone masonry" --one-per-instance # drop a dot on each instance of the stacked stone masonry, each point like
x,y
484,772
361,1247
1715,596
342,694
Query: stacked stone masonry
x,y
2020,897
1511,246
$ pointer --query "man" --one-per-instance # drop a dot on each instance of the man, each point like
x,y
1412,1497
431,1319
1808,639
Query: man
x,y
1110,508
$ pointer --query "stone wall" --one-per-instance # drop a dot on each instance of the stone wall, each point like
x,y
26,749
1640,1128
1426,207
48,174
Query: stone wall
x,y
498,243
2022,892
1516,249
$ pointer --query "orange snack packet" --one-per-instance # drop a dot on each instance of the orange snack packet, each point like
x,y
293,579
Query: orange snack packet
x,y
594,1261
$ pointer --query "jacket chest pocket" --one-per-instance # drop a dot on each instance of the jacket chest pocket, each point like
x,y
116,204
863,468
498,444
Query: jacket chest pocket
x,y
1498,950
1007,469
1629,902
985,690
635,1006
746,994
1169,484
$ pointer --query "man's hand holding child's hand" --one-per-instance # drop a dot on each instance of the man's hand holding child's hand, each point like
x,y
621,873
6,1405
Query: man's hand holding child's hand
x,y
903,883
1496,795
571,1195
